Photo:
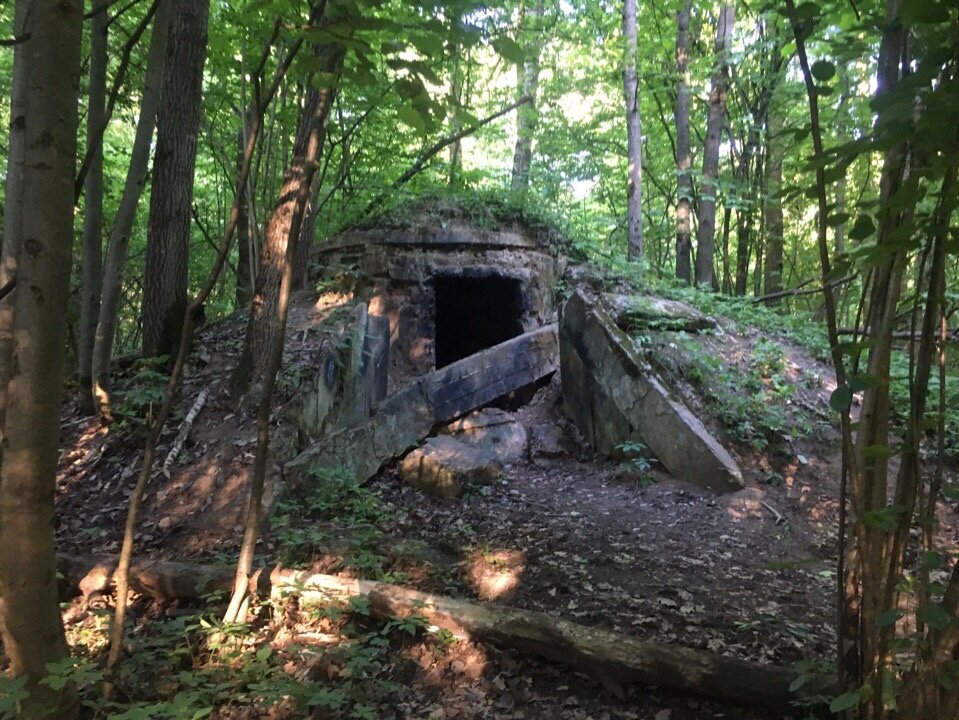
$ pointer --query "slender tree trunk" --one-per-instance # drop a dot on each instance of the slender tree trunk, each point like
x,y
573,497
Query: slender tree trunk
x,y
527,117
744,221
773,270
684,189
126,212
455,100
93,206
304,244
288,218
171,197
246,225
634,137
709,189
32,628
13,207
726,285
262,326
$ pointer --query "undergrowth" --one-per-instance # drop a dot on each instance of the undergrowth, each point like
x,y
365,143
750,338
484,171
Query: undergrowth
x,y
752,401
192,666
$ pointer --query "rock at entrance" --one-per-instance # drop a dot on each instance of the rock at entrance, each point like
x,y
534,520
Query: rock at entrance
x,y
546,441
493,430
409,415
447,468
614,396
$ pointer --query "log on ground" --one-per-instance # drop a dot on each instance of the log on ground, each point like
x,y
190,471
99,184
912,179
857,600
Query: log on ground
x,y
615,660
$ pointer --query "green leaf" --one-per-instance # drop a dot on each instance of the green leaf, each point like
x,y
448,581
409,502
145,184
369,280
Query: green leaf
x,y
807,11
890,617
838,218
878,452
509,49
860,382
863,228
823,70
798,683
936,618
923,11
932,560
411,117
844,702
886,519
841,398
429,45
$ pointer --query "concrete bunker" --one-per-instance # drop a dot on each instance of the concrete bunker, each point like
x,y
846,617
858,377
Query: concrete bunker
x,y
443,318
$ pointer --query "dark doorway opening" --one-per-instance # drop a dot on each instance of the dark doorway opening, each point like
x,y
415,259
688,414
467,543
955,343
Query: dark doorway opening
x,y
474,313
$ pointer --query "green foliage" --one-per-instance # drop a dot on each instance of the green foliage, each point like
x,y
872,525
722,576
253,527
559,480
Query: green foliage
x,y
332,507
139,393
752,403
638,459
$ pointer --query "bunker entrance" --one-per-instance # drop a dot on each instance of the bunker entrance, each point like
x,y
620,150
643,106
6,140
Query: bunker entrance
x,y
474,313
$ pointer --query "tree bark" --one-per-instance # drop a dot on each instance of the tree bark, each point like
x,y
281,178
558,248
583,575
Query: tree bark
x,y
709,190
304,244
93,206
744,216
119,241
12,207
527,117
684,189
262,325
773,209
634,137
171,197
245,229
32,628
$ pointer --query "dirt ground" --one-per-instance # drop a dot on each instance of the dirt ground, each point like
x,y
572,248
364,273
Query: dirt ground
x,y
748,574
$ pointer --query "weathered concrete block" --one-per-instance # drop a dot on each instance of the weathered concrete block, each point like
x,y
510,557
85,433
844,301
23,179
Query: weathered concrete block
x,y
447,468
614,396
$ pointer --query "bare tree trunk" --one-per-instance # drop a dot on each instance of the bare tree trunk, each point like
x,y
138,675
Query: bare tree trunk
x,y
126,212
773,208
93,206
527,117
288,218
709,190
744,224
684,189
634,137
304,245
32,627
12,207
455,101
262,326
245,229
171,197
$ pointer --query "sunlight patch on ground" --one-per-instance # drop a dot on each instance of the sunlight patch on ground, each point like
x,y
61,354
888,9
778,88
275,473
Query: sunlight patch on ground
x,y
496,574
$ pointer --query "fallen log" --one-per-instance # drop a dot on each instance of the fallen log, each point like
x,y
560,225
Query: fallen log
x,y
616,661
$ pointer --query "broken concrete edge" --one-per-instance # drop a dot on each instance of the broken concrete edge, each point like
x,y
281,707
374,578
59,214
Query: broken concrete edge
x,y
614,396
631,311
408,416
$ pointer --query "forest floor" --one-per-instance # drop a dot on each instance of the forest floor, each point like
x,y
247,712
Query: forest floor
x,y
748,574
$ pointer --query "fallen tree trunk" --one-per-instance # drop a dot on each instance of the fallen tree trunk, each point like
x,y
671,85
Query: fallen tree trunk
x,y
614,660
